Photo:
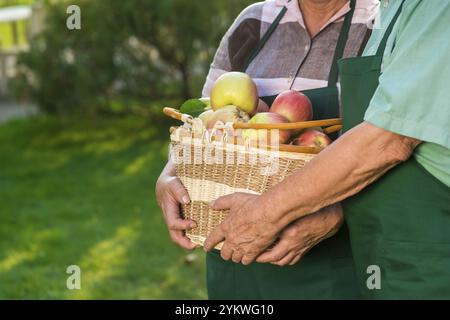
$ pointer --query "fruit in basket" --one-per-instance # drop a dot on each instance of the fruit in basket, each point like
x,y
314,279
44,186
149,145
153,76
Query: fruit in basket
x,y
193,107
262,107
235,88
206,101
293,105
263,135
206,116
313,138
226,114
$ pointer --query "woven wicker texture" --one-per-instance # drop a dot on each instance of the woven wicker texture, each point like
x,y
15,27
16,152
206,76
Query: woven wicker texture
x,y
206,181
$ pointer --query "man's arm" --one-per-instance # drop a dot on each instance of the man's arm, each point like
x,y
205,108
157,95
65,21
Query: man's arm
x,y
354,161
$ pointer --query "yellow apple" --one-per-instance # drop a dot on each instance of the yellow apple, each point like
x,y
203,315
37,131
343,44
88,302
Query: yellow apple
x,y
235,88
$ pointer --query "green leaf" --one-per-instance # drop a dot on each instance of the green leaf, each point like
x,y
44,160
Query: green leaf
x,y
193,107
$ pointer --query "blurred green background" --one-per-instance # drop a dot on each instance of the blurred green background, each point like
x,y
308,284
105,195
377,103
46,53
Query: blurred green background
x,y
83,140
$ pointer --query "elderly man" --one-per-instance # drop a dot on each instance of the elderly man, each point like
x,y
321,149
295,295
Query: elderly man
x,y
391,168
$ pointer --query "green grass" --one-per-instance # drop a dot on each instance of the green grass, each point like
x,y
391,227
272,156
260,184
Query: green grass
x,y
76,192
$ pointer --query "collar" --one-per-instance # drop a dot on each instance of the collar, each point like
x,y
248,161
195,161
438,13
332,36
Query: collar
x,y
294,9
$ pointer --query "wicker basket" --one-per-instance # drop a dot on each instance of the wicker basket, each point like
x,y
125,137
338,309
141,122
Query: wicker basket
x,y
211,166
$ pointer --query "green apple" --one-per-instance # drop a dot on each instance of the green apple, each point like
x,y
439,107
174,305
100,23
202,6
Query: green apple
x,y
235,88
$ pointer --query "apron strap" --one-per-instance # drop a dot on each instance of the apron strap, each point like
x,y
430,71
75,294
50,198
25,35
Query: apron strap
x,y
383,43
342,42
338,54
265,38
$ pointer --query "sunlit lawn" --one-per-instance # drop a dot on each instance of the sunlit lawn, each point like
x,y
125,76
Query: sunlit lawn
x,y
82,193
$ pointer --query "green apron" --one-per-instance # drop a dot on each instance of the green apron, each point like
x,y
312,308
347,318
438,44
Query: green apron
x,y
327,271
401,223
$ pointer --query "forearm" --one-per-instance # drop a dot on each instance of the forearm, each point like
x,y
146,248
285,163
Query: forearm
x,y
167,173
169,169
354,161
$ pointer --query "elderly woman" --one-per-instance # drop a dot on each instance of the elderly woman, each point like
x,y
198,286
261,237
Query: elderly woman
x,y
284,45
392,166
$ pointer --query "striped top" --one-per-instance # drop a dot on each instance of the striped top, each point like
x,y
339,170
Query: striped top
x,y
291,59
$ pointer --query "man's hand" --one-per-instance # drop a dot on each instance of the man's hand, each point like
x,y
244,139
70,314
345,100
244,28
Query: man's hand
x,y
170,193
246,232
302,235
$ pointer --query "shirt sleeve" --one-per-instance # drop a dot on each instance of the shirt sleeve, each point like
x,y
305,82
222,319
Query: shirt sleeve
x,y
222,63
219,66
413,97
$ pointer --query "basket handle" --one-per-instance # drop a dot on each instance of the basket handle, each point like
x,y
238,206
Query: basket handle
x,y
332,129
328,130
289,126
281,147
171,112
175,114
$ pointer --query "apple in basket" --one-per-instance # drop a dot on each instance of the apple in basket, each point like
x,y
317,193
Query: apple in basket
x,y
313,138
262,107
207,102
263,135
293,105
226,114
206,116
235,88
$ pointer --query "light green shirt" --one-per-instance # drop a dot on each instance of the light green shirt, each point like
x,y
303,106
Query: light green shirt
x,y
413,98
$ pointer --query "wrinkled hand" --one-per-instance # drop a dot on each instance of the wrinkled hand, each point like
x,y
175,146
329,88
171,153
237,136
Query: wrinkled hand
x,y
247,231
302,235
170,193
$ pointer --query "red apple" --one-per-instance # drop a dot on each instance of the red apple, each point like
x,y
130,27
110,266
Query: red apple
x,y
294,106
263,135
262,107
235,88
313,138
